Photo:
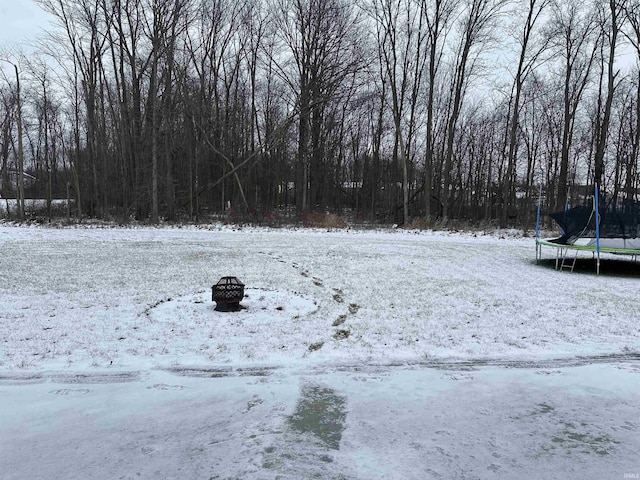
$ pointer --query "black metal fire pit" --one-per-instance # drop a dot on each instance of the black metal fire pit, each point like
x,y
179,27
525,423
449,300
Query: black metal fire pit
x,y
227,294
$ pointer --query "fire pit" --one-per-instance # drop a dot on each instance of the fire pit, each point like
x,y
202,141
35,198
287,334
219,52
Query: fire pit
x,y
227,294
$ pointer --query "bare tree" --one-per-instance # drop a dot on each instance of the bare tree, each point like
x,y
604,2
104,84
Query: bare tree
x,y
478,20
609,28
437,15
573,39
322,39
40,74
526,63
20,149
177,106
161,29
401,41
6,125
632,34
81,22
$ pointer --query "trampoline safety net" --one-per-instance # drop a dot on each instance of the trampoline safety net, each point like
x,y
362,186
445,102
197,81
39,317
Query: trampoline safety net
x,y
622,221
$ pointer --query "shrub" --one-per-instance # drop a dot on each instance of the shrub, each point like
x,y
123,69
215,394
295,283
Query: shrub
x,y
323,220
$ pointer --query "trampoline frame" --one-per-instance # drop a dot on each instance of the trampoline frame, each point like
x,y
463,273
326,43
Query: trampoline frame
x,y
563,252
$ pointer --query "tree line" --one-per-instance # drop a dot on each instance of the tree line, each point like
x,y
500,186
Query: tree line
x,y
392,110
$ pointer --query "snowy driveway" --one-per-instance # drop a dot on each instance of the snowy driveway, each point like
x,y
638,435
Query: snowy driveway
x,y
375,423
361,355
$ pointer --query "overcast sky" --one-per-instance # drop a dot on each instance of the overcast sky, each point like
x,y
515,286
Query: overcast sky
x,y
20,22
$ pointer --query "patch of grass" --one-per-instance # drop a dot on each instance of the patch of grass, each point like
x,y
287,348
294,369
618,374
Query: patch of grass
x,y
323,220
420,224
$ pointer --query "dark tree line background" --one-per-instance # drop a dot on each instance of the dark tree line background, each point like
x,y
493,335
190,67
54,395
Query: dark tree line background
x,y
391,110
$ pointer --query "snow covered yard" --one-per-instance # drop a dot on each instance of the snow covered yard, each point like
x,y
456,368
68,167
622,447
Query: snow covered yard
x,y
126,298
359,356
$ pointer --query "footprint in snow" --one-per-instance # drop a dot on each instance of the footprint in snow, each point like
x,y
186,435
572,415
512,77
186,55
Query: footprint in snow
x,y
254,402
459,376
163,386
341,334
339,321
148,450
549,372
70,391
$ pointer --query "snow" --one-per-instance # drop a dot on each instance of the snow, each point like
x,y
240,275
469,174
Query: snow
x,y
397,424
360,354
89,297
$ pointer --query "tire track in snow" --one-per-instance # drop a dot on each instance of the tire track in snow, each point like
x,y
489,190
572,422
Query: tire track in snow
x,y
545,366
75,378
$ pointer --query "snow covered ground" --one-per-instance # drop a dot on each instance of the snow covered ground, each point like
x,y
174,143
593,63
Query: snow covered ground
x,y
360,354
375,423
129,298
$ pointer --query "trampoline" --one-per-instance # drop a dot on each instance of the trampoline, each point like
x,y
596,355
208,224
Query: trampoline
x,y
615,229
